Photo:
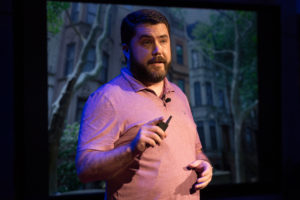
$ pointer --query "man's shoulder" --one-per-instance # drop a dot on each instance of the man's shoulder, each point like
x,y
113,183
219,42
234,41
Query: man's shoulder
x,y
112,88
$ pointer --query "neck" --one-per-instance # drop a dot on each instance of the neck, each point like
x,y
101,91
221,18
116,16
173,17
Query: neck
x,y
158,88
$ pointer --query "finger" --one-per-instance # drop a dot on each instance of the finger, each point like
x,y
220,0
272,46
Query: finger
x,y
194,164
155,137
149,141
162,134
206,172
155,121
203,179
207,169
201,185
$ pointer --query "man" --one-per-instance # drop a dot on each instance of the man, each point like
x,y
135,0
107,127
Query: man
x,y
120,140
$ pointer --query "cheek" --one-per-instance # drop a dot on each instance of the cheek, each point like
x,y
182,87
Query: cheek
x,y
141,54
168,53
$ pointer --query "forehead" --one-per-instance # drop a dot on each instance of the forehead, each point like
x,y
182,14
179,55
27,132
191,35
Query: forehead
x,y
155,30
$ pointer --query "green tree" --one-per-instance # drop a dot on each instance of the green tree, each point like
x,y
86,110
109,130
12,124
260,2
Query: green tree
x,y
75,80
55,11
177,15
67,178
66,169
229,42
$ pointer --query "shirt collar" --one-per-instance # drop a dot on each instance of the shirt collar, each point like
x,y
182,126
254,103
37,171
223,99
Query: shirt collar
x,y
139,86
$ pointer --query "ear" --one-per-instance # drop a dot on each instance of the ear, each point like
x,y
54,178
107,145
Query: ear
x,y
125,51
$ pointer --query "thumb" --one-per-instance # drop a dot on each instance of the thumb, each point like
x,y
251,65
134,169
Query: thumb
x,y
194,164
155,121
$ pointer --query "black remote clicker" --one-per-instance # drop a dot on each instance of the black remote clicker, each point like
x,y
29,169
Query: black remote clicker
x,y
164,125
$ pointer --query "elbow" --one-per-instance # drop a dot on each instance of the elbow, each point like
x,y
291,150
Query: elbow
x,y
90,169
84,179
88,174
82,174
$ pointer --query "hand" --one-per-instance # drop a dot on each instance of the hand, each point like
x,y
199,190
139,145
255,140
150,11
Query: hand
x,y
148,135
204,171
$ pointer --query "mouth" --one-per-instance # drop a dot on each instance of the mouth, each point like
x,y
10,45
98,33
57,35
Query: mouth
x,y
156,63
157,60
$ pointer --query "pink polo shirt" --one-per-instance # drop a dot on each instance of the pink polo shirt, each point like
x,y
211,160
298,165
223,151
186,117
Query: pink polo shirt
x,y
112,117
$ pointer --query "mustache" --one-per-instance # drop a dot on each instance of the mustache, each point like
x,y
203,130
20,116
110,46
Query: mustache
x,y
157,59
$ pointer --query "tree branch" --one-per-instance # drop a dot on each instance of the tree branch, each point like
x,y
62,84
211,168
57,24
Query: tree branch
x,y
219,64
235,83
249,109
247,28
222,12
99,64
223,51
252,65
74,27
72,79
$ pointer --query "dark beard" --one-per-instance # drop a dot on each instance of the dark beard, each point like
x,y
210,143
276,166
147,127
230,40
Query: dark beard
x,y
145,74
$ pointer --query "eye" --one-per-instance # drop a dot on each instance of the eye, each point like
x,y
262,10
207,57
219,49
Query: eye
x,y
163,41
147,42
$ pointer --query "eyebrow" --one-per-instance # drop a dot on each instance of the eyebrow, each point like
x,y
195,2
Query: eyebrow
x,y
148,36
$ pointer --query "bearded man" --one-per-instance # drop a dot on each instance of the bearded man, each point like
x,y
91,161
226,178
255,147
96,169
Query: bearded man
x,y
124,138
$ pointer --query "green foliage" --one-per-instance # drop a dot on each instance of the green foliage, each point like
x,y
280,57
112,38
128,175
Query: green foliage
x,y
178,15
204,34
216,35
248,59
66,169
219,35
54,15
67,176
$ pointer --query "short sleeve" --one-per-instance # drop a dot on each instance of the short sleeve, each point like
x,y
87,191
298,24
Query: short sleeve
x,y
99,127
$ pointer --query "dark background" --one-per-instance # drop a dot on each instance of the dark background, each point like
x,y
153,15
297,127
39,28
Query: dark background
x,y
23,160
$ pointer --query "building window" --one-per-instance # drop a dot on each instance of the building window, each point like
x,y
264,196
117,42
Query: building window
x,y
75,12
179,54
195,61
200,130
197,92
70,55
213,135
91,12
209,95
104,69
79,108
181,84
205,62
90,60
221,99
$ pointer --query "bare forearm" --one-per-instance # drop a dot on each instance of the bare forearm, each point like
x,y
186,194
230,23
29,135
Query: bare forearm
x,y
103,165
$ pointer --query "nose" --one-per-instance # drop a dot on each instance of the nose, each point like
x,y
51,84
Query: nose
x,y
157,50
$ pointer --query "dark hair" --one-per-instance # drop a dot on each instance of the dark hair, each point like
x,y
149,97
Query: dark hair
x,y
144,16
